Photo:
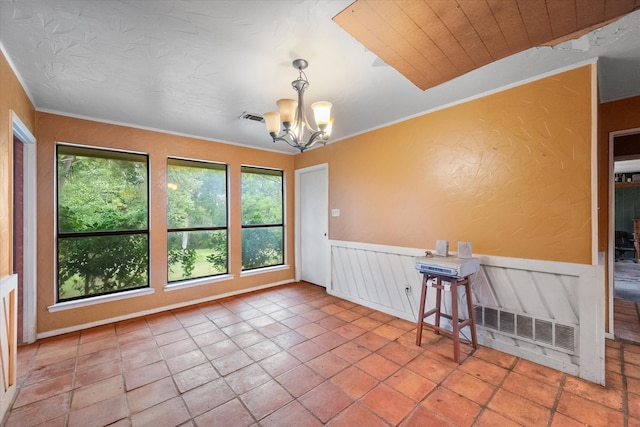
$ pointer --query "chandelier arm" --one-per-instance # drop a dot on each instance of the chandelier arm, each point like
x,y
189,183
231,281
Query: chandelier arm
x,y
284,139
290,138
316,137
293,139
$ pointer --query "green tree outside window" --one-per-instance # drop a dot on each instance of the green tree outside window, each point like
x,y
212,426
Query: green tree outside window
x,y
262,218
197,219
102,219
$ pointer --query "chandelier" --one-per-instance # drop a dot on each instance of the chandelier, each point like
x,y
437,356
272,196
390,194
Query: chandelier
x,y
294,121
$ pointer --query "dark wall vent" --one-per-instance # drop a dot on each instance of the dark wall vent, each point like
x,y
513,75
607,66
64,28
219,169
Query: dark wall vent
x,y
507,322
525,326
565,337
490,318
251,116
541,331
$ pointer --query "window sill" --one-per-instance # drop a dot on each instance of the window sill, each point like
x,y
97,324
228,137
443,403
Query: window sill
x,y
86,302
264,270
197,282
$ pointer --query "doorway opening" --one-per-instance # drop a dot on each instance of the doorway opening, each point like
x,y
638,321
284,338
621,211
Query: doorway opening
x,y
626,235
25,228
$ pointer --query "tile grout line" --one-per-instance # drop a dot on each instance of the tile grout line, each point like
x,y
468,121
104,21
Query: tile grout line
x,y
171,375
495,391
556,401
73,382
625,402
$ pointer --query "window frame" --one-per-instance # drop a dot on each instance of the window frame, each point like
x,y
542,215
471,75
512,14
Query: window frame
x,y
187,163
109,153
243,226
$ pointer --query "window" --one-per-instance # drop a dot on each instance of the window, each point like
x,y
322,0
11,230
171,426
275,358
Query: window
x,y
262,218
197,219
102,220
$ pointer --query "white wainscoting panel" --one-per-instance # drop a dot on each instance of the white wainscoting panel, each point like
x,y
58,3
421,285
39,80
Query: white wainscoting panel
x,y
8,340
375,278
551,313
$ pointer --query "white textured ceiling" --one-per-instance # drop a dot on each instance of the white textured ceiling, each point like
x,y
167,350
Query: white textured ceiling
x,y
192,67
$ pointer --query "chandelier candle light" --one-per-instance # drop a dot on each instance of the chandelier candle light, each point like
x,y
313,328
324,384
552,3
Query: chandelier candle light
x,y
294,120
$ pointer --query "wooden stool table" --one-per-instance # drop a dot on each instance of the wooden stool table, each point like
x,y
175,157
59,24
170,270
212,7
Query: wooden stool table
x,y
456,322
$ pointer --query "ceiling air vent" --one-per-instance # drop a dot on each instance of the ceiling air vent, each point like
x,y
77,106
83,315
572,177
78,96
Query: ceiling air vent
x,y
251,116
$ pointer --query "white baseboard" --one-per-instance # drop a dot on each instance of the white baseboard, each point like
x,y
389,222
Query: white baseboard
x,y
130,316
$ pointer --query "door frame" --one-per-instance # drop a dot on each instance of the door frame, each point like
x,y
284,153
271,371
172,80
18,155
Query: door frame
x,y
298,238
611,230
30,232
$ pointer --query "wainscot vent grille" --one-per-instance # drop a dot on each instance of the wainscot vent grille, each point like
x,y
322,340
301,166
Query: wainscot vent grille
x,y
543,332
507,322
525,326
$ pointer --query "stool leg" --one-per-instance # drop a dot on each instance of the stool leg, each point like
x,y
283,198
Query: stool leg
x,y
438,302
472,325
455,321
423,299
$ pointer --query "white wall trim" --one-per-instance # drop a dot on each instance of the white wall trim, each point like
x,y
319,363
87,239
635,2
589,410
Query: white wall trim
x,y
610,237
100,299
30,229
176,286
382,248
21,130
592,326
594,164
130,316
379,307
516,263
264,270
612,223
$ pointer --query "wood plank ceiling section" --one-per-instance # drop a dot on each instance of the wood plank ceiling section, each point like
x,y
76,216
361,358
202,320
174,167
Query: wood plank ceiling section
x,y
433,41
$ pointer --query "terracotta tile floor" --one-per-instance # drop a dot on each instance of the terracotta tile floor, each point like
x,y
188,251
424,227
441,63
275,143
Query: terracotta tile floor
x,y
626,320
295,356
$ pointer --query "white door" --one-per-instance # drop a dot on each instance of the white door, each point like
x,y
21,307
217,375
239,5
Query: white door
x,y
313,241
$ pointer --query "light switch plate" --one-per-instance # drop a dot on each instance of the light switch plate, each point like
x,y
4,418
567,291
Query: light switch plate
x,y
335,212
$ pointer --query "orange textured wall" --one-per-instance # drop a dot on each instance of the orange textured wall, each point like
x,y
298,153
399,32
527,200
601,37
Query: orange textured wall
x,y
12,99
509,172
619,115
53,128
